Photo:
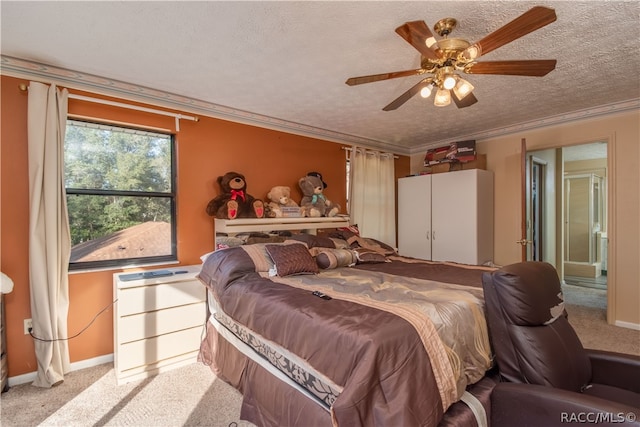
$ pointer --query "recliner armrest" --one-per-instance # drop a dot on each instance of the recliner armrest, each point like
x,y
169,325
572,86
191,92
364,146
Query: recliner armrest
x,y
535,405
615,369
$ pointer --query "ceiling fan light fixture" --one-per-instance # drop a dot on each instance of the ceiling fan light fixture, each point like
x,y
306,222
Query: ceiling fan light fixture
x,y
449,82
462,88
442,98
425,92
471,53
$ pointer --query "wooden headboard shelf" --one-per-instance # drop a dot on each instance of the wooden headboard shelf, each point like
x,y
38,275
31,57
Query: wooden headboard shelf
x,y
244,225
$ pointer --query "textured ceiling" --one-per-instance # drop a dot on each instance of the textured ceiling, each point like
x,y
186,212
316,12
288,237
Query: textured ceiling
x,y
286,62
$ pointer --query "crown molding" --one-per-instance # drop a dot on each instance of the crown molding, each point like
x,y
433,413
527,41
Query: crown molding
x,y
22,68
587,113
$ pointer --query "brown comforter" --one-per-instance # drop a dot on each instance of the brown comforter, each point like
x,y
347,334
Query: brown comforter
x,y
377,357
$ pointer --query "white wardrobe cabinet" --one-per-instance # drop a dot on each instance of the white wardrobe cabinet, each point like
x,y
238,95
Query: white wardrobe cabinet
x,y
447,216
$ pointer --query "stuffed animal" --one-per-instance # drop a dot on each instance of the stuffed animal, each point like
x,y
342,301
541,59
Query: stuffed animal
x,y
279,197
234,201
314,203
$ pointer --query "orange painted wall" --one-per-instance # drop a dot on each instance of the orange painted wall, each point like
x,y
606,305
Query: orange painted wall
x,y
205,150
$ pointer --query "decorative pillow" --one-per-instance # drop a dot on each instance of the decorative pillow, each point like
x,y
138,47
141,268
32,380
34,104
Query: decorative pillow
x,y
327,258
344,234
335,236
340,243
204,257
313,241
223,242
292,259
259,256
364,256
352,228
252,240
378,246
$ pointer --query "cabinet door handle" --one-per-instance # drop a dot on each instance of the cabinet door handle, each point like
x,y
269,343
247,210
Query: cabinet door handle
x,y
428,235
433,235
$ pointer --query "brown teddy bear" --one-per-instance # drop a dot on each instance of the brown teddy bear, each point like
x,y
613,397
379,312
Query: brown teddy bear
x,y
314,203
279,197
234,201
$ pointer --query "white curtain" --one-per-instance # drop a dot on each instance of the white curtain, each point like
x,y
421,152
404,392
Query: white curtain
x,y
49,239
372,194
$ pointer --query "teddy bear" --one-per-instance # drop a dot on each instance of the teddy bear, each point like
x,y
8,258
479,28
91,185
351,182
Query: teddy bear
x,y
279,197
234,201
314,203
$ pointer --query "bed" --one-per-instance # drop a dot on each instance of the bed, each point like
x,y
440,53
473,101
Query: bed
x,y
337,329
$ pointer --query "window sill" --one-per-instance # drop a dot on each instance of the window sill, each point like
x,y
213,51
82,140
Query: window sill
x,y
124,268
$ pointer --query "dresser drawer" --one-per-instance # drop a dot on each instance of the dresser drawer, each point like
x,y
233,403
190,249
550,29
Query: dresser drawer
x,y
154,323
151,350
157,297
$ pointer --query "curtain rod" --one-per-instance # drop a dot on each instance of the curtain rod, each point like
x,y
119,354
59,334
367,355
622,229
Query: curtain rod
x,y
177,116
367,151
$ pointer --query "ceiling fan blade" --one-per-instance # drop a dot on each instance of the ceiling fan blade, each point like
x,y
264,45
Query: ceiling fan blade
x,y
384,76
468,100
408,94
536,67
419,36
526,23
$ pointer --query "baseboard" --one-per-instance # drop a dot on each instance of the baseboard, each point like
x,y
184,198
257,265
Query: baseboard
x,y
627,325
75,366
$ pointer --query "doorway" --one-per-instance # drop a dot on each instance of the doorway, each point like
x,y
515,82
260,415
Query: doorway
x,y
536,203
567,211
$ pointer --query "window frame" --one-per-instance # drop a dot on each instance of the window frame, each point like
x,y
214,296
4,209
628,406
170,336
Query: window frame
x,y
172,196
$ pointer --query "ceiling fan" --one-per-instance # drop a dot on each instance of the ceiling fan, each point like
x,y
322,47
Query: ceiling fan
x,y
441,59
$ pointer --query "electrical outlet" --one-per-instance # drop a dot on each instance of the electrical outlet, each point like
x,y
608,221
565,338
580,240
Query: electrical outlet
x,y
28,324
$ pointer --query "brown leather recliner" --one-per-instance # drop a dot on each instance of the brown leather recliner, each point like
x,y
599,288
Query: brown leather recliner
x,y
549,379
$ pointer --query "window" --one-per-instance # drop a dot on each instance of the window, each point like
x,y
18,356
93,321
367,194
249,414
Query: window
x,y
120,195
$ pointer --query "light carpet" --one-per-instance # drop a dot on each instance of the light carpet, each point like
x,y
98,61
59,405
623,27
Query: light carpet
x,y
187,396
193,396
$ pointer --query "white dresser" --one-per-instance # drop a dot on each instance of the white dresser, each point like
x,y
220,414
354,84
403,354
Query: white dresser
x,y
158,321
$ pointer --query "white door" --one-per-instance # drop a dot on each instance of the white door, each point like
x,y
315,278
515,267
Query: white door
x,y
414,216
454,217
